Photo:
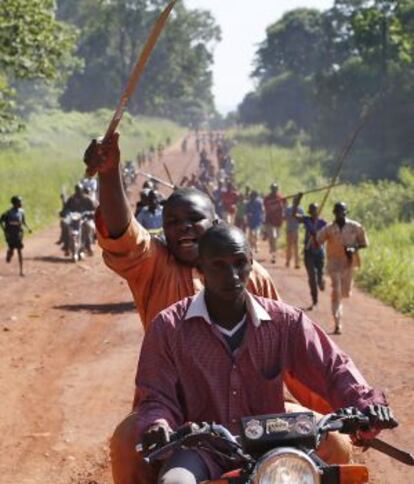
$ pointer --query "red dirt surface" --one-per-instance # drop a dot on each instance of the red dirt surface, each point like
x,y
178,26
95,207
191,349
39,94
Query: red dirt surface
x,y
70,339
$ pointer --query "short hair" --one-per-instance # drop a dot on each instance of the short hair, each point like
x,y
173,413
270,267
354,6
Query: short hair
x,y
221,234
189,192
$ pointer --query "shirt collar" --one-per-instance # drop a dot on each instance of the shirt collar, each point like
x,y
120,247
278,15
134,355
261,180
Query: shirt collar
x,y
198,309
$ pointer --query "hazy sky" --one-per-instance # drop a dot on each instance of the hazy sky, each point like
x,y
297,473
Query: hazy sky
x,y
243,25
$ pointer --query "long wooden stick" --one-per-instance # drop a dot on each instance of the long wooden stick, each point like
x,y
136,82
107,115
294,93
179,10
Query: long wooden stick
x,y
344,154
136,73
167,171
315,190
156,179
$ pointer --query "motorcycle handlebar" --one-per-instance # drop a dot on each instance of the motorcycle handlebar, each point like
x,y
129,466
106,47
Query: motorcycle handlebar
x,y
347,424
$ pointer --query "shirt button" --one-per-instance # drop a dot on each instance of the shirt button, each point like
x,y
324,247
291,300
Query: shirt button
x,y
234,392
234,420
234,367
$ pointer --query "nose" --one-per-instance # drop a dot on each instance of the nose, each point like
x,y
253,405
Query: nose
x,y
233,274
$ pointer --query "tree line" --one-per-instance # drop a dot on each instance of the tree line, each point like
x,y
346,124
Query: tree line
x,y
77,55
318,71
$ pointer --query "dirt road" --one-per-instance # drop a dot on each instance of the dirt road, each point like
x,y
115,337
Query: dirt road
x,y
70,339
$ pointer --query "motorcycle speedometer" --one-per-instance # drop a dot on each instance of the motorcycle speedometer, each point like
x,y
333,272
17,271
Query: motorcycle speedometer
x,y
286,466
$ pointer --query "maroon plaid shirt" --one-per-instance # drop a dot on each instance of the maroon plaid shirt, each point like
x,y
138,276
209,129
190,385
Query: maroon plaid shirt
x,y
187,372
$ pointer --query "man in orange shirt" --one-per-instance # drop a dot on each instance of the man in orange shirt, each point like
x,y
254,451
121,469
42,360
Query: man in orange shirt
x,y
344,238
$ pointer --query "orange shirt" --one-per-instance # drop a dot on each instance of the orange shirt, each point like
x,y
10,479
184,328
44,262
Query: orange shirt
x,y
337,239
153,274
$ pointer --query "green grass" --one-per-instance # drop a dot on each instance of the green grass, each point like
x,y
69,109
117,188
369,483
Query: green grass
x,y
47,156
386,209
388,269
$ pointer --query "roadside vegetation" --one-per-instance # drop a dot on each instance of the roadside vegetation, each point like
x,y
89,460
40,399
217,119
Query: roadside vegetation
x,y
386,208
46,158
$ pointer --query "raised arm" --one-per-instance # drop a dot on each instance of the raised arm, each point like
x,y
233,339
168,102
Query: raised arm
x,y
105,158
295,206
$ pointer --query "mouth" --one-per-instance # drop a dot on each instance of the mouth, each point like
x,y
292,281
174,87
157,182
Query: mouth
x,y
235,288
187,242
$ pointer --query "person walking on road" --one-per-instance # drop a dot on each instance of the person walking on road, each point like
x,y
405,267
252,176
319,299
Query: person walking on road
x,y
292,235
254,213
344,238
274,204
150,217
229,199
13,222
314,253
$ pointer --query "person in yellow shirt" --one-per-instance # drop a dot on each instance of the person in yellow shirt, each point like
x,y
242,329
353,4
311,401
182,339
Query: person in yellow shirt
x,y
344,238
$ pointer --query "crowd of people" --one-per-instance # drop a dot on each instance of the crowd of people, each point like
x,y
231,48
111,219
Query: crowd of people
x,y
333,248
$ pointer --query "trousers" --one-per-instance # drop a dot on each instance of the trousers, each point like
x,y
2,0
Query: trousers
x,y
314,263
128,466
292,248
341,288
272,234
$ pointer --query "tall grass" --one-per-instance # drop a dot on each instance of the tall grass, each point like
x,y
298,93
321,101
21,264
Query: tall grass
x,y
388,270
385,208
46,157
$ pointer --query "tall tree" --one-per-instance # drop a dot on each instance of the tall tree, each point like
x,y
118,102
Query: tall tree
x,y
319,69
33,45
178,80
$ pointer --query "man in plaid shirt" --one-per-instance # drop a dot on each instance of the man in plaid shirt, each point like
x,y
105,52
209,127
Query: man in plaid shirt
x,y
220,356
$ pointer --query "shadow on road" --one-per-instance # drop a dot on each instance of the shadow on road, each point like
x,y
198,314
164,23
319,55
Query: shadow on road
x,y
51,259
115,308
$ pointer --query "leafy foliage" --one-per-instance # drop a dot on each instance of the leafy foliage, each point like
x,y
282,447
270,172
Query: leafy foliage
x,y
318,70
33,45
178,80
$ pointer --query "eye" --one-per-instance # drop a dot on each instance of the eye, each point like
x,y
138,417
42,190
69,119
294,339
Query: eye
x,y
196,217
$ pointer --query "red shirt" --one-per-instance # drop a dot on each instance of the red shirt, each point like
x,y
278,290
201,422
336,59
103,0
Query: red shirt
x,y
187,373
229,201
274,207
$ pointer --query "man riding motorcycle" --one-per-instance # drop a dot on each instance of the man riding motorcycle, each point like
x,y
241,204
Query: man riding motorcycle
x,y
79,202
220,356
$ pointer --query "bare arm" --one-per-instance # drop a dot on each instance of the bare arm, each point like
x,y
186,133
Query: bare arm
x,y
114,204
25,223
295,206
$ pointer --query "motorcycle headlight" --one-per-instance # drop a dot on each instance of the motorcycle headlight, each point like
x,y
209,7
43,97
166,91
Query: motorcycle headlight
x,y
286,466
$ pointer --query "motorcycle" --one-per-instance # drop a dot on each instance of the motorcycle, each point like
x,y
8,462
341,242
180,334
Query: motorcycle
x,y
129,174
81,229
277,449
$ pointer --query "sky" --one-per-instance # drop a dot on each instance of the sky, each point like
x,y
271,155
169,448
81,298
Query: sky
x,y
243,25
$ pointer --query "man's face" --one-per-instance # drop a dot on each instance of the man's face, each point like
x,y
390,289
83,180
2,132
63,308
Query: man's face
x,y
185,221
274,189
340,214
227,269
313,211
